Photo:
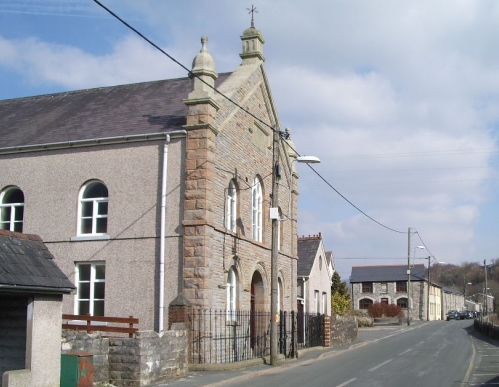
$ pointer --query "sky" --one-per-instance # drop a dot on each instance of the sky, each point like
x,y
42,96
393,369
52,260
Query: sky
x,y
399,100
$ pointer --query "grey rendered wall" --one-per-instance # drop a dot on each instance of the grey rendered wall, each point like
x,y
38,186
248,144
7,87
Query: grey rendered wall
x,y
132,173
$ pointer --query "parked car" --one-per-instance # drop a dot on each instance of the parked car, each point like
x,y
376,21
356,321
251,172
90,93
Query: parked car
x,y
453,315
466,314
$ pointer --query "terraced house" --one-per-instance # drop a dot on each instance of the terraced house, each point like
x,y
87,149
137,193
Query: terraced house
x,y
388,284
146,191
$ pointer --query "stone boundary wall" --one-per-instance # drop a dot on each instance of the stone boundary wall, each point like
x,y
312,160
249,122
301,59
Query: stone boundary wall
x,y
149,358
94,343
343,330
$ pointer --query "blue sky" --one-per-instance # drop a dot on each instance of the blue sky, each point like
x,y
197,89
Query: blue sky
x,y
400,101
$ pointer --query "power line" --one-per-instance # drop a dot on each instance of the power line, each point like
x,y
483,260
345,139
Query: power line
x,y
184,67
239,106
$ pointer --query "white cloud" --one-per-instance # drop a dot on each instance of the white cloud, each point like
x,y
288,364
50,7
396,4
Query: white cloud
x,y
399,99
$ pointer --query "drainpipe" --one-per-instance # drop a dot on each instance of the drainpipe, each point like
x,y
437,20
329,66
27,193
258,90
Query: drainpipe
x,y
162,237
305,296
176,133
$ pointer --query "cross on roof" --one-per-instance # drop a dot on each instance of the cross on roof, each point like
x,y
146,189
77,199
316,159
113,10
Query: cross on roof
x,y
252,10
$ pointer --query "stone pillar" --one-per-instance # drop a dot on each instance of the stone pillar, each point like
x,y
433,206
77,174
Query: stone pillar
x,y
178,311
327,331
199,178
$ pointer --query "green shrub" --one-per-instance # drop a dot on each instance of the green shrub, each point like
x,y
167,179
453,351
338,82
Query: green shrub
x,y
340,304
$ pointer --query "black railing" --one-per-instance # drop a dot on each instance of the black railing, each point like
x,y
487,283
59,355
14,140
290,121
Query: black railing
x,y
227,337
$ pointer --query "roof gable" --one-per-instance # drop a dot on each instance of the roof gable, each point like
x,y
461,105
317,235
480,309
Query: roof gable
x,y
308,247
26,265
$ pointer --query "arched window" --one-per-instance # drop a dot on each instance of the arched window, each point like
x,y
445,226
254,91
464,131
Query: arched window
x,y
93,202
231,295
280,295
256,205
231,207
12,209
402,302
365,303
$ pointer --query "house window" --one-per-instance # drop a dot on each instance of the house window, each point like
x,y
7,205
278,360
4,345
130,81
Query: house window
x,y
316,302
231,207
90,283
12,209
401,286
384,301
231,295
324,303
365,303
367,287
93,203
320,262
402,302
384,287
256,204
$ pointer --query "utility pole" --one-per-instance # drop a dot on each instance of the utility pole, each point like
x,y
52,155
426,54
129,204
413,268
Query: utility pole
x,y
429,287
275,251
486,298
409,276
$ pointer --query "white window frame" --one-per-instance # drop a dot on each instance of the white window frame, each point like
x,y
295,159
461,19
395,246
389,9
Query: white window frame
x,y
92,281
11,224
231,294
256,206
323,304
316,301
95,210
232,207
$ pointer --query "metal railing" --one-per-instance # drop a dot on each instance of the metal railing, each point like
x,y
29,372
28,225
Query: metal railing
x,y
227,337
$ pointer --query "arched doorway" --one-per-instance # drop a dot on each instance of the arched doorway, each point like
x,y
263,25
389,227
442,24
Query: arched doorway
x,y
258,317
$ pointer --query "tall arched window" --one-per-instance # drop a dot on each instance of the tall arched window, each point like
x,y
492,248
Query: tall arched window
x,y
231,295
256,205
280,234
280,295
231,207
93,202
12,209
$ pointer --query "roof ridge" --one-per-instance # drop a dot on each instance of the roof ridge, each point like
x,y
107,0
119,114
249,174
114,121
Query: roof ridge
x,y
19,235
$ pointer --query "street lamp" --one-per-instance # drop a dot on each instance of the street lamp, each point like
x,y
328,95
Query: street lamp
x,y
274,261
409,280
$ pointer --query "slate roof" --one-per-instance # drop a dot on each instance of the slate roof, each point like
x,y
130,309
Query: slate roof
x,y
27,266
387,273
115,111
307,251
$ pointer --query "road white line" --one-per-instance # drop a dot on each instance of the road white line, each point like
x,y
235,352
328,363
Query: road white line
x,y
403,353
347,382
421,343
380,365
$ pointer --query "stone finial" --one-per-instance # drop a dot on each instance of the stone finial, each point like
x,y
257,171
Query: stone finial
x,y
203,73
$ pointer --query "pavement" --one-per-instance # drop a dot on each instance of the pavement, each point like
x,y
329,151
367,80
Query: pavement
x,y
230,373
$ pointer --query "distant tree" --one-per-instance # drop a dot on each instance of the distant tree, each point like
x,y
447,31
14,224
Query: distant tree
x,y
340,297
338,286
